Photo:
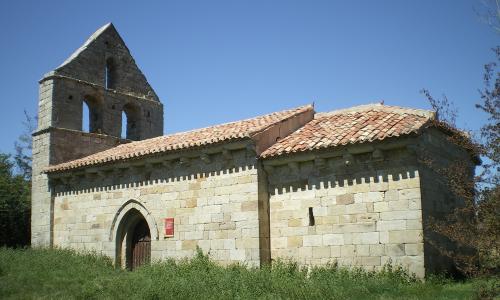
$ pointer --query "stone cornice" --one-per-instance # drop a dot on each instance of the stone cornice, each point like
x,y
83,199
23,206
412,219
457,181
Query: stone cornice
x,y
344,152
165,160
53,75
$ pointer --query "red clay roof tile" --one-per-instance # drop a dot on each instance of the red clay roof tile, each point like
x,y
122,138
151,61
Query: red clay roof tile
x,y
183,140
361,124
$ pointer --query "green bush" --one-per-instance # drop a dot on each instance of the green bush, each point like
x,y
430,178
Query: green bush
x,y
66,274
15,205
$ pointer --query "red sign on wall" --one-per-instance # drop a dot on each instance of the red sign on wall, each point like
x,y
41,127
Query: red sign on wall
x,y
169,227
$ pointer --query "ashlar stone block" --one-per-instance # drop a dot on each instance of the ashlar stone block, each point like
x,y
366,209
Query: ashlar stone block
x,y
364,238
333,239
345,199
294,241
189,245
414,249
391,225
356,208
405,236
321,252
312,240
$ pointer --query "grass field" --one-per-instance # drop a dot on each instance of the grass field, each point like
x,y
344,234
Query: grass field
x,y
64,274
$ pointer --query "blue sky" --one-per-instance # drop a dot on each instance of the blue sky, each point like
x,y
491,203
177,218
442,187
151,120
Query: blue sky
x,y
218,61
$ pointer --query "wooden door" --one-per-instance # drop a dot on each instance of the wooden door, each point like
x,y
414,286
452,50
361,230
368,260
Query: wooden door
x,y
141,245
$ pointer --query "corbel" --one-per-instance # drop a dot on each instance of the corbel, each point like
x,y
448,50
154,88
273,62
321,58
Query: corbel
x,y
319,162
65,180
333,162
138,167
228,158
269,169
54,182
184,161
205,158
250,149
378,155
77,178
90,173
226,153
121,170
148,166
156,165
348,159
294,167
101,174
166,164
412,149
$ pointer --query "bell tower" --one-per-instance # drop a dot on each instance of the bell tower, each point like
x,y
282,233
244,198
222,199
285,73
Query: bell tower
x,y
102,77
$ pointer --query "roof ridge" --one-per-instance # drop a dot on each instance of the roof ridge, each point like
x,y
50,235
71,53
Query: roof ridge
x,y
381,107
238,121
299,110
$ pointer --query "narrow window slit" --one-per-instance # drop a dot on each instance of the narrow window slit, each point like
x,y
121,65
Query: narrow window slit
x,y
311,217
124,125
86,121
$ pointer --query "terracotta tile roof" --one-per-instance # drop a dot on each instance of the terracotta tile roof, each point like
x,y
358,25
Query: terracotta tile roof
x,y
361,124
183,140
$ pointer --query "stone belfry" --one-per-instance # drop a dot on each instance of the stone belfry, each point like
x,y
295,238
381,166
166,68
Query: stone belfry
x,y
103,76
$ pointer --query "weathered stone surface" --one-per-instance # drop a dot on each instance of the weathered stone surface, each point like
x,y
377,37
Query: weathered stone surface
x,y
345,199
294,241
333,239
362,205
365,221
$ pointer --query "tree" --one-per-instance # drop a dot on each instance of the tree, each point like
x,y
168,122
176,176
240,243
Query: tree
x,y
490,132
489,12
23,147
14,205
473,227
15,190
444,108
489,190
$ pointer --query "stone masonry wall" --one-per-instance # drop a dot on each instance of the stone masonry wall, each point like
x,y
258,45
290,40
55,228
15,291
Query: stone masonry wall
x,y
40,210
89,62
40,193
51,147
438,200
82,144
215,206
366,211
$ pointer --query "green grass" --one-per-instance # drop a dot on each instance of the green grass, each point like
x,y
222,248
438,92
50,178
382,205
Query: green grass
x,y
64,274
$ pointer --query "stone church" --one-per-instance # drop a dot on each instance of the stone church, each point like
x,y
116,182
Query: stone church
x,y
345,185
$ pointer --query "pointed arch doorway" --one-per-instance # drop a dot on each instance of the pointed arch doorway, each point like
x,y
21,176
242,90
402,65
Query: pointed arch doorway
x,y
133,240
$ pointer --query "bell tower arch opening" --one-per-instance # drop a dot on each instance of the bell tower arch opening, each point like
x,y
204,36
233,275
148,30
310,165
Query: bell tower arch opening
x,y
133,241
131,120
92,115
